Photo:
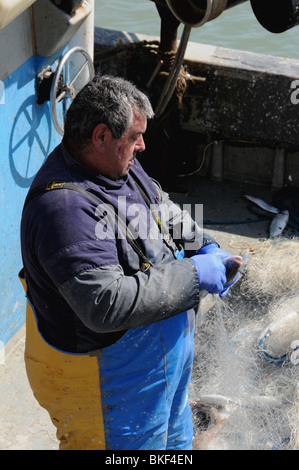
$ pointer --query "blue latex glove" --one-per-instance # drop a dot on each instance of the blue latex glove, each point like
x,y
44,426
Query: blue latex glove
x,y
214,249
211,273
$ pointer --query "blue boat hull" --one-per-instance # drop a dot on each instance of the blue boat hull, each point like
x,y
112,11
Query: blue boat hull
x,y
27,136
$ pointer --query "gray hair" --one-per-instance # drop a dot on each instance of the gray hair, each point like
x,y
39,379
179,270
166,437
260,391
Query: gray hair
x,y
105,100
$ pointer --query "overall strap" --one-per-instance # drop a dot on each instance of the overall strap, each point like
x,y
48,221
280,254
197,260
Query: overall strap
x,y
132,238
164,231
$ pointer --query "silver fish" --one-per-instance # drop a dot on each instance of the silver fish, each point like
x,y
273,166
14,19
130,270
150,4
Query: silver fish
x,y
279,223
262,204
263,401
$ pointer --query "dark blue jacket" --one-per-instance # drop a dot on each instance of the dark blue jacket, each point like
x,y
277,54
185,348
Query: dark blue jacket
x,y
84,277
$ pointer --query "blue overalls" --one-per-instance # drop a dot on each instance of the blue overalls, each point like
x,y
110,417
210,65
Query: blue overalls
x,y
132,395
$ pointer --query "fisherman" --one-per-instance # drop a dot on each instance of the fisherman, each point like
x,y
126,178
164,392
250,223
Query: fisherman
x,y
111,295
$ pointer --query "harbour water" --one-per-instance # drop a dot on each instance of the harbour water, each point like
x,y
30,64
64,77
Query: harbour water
x,y
236,28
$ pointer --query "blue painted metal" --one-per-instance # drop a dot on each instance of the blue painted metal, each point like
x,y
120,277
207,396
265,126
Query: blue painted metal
x,y
27,136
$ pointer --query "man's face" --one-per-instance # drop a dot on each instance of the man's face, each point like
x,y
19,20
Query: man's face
x,y
120,153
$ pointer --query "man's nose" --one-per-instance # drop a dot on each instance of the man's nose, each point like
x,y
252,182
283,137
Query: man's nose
x,y
140,145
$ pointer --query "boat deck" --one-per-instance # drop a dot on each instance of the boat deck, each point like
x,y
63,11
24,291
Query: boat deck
x,y
26,426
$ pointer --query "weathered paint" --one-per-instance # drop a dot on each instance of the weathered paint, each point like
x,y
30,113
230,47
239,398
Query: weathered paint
x,y
27,135
246,96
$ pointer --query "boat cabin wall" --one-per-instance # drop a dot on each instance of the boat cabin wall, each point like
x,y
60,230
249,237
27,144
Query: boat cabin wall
x,y
248,109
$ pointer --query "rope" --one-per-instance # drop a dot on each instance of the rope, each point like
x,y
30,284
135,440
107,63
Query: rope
x,y
173,74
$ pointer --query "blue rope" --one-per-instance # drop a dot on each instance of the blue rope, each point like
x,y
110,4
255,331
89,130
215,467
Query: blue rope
x,y
284,359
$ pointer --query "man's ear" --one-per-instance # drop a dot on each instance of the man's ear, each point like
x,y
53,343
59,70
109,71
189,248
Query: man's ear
x,y
99,135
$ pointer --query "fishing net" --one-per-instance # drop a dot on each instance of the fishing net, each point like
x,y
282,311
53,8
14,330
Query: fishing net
x,y
273,270
245,384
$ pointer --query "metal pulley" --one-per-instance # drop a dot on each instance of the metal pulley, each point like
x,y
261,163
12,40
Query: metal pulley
x,y
277,16
74,70
195,13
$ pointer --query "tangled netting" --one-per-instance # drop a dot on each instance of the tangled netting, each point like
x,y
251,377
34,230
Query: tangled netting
x,y
245,385
273,270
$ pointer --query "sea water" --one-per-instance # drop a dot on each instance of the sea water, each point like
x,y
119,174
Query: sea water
x,y
236,28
